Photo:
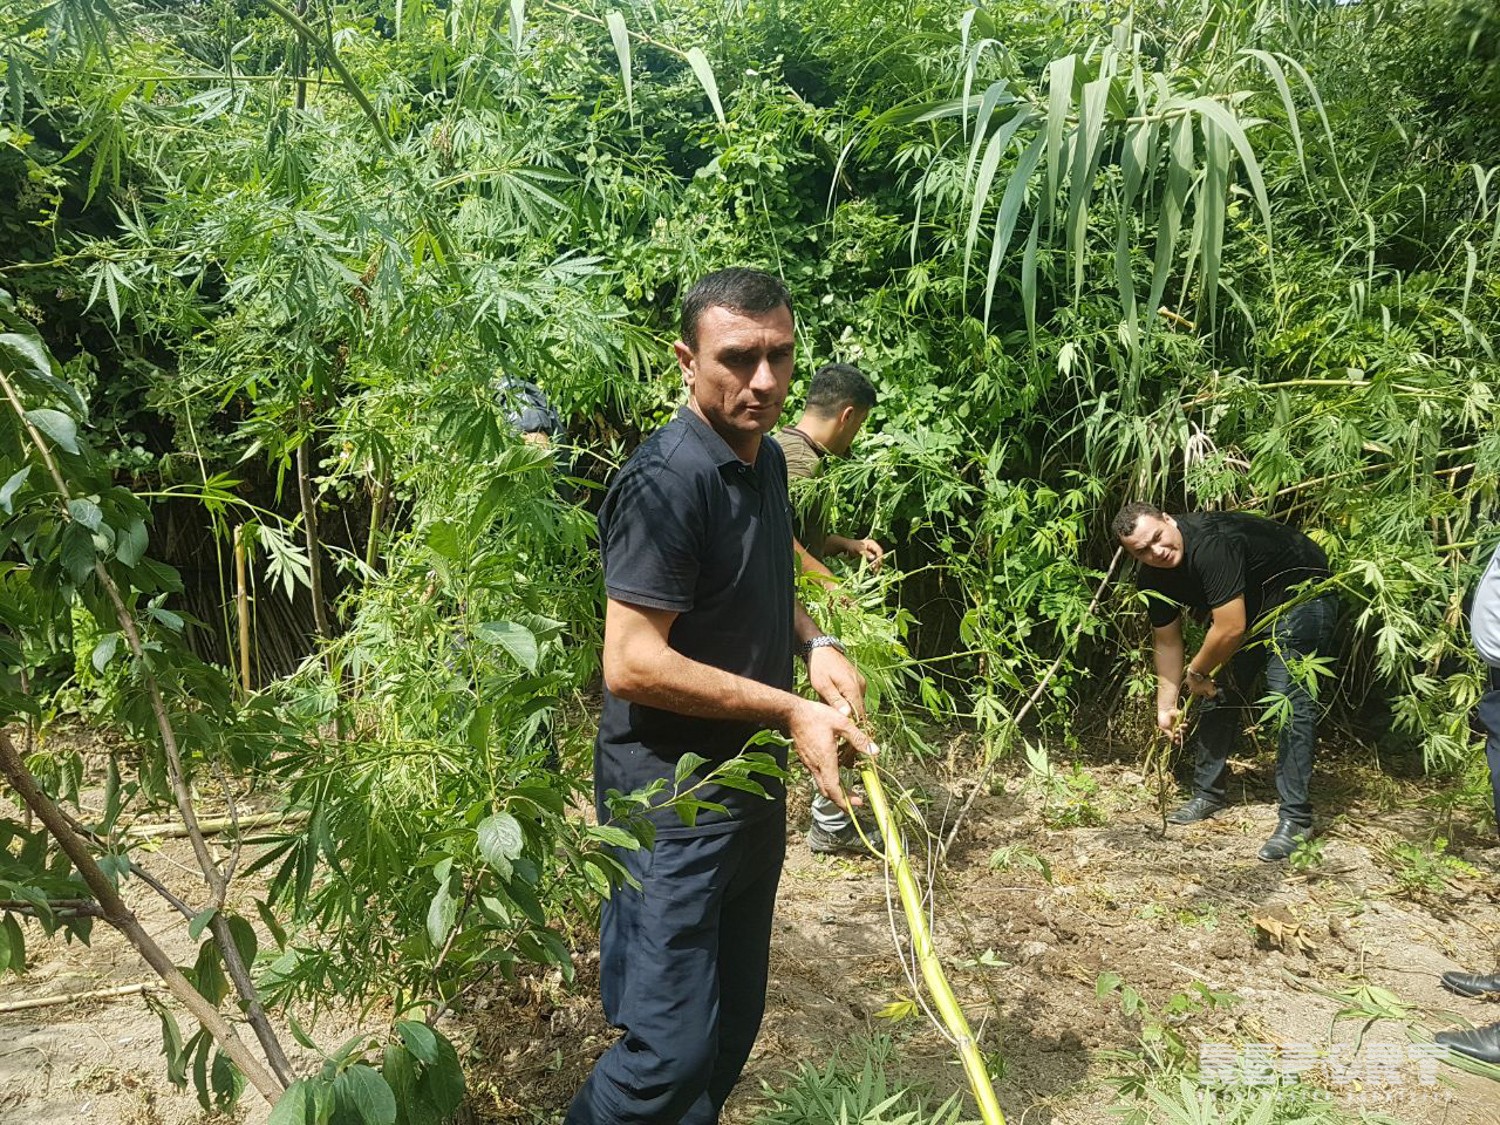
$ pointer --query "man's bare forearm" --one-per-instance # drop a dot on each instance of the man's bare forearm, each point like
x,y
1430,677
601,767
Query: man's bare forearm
x,y
1167,647
669,681
1218,646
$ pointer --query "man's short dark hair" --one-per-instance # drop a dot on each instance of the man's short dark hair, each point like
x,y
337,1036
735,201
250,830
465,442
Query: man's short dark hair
x,y
837,385
1131,514
745,291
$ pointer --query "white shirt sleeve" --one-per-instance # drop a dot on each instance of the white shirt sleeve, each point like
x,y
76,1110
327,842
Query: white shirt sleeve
x,y
1484,618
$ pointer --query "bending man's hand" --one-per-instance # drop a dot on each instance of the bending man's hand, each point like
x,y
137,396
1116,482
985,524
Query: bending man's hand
x,y
1169,719
821,736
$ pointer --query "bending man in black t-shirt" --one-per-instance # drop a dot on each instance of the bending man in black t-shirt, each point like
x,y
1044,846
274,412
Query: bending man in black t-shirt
x,y
1244,572
699,634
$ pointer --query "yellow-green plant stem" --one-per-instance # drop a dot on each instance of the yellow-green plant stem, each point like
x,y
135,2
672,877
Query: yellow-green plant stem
x,y
921,941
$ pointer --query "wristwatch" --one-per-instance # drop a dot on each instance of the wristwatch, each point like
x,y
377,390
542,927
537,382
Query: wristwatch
x,y
1194,674
823,640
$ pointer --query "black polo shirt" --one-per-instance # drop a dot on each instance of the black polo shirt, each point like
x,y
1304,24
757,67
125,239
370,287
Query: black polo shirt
x,y
1225,555
688,527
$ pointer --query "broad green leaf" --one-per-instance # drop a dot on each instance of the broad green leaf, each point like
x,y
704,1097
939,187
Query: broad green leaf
x,y
1234,131
1028,277
130,544
519,641
28,352
1284,89
242,933
615,836
699,62
621,38
361,1089
13,485
400,1074
987,104
443,1082
56,425
1208,218
500,841
517,24
685,767
297,1106
15,939
1005,219
86,512
103,653
225,1080
171,1045
981,191
420,1040
445,538
77,552
1180,174
1085,163
1059,103
441,914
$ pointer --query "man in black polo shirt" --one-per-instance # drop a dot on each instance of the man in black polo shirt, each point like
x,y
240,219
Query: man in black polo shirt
x,y
699,634
1245,573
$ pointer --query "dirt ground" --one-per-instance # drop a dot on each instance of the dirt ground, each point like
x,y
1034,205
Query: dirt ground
x,y
1049,888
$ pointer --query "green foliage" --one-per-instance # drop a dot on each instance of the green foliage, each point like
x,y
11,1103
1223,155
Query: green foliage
x,y
1307,856
1424,871
1067,798
1222,254
858,1094
1167,1049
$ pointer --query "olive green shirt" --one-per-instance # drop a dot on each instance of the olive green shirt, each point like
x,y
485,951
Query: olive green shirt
x,y
804,462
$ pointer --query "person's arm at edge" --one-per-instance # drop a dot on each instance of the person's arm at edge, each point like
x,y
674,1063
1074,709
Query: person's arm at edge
x,y
811,565
1224,638
1167,648
640,666
867,549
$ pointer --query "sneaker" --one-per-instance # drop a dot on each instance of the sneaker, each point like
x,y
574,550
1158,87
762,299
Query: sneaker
x,y
1199,808
846,839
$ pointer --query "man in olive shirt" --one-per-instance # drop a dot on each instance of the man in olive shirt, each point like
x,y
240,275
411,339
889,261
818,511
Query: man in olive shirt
x,y
839,399
1245,573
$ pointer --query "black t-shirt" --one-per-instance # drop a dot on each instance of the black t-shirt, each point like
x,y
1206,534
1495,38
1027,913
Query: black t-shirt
x,y
688,527
1225,555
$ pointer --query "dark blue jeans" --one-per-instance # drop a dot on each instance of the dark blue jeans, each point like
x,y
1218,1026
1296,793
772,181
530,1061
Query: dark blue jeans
x,y
682,971
1489,715
1302,631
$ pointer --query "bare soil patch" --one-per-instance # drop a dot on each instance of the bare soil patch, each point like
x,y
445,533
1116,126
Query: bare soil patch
x,y
1024,952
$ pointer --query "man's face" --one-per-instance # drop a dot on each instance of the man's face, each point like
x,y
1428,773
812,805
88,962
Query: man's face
x,y
738,374
1156,541
851,418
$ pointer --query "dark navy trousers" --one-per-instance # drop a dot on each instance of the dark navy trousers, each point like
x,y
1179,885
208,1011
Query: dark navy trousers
x,y
1489,715
682,972
1304,630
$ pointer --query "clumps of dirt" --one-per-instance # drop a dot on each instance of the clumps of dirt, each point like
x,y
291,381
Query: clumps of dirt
x,y
532,1043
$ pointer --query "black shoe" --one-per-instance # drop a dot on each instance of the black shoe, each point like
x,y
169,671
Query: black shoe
x,y
1472,985
1483,1043
846,839
1199,808
1284,841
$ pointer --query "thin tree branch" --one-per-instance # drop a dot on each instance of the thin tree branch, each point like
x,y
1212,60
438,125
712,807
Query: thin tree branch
x,y
1036,694
123,919
218,884
75,997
